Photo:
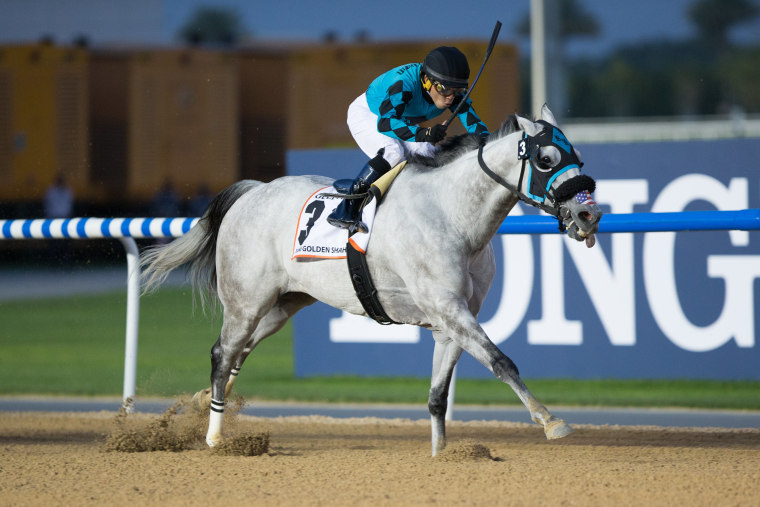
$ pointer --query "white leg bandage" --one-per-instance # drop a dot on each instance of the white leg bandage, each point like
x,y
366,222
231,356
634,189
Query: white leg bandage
x,y
216,416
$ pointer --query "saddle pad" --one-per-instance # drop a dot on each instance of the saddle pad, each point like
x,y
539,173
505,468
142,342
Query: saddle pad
x,y
317,239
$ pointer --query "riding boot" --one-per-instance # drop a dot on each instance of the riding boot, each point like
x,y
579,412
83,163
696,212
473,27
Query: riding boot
x,y
348,213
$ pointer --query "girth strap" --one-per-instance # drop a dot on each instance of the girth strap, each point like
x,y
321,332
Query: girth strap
x,y
365,289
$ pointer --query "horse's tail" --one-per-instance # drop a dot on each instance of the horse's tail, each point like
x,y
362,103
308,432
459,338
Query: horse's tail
x,y
197,247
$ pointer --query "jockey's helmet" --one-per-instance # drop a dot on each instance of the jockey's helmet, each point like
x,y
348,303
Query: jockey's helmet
x,y
448,66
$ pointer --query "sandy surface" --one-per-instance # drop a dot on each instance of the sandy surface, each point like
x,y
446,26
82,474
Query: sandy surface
x,y
56,459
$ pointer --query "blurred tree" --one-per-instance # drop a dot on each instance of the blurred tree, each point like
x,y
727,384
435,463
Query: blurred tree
x,y
212,26
742,73
659,78
714,19
330,36
705,75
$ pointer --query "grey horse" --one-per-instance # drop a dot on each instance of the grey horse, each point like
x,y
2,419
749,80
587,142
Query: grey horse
x,y
430,255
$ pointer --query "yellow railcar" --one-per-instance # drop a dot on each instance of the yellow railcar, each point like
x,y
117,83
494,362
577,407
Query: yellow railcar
x,y
43,119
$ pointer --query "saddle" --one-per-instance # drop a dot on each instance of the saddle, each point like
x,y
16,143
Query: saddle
x,y
358,269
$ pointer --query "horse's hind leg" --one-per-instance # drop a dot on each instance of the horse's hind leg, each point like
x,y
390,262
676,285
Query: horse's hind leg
x,y
202,399
227,361
287,306
236,331
445,356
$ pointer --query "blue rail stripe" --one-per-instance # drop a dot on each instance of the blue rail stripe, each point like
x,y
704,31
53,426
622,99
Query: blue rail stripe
x,y
166,227
105,228
65,228
145,229
81,232
26,228
46,228
187,224
125,227
7,229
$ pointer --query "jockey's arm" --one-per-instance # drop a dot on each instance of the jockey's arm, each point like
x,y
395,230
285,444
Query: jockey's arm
x,y
470,118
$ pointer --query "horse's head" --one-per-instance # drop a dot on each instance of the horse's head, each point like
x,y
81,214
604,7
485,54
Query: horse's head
x,y
554,182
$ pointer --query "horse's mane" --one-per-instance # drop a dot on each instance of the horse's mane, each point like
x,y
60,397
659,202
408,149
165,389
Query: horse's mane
x,y
454,147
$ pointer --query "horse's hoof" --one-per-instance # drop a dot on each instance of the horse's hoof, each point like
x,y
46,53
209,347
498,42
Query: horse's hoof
x,y
438,447
556,428
201,400
213,441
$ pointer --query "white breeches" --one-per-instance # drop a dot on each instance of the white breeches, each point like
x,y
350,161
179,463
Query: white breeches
x,y
362,123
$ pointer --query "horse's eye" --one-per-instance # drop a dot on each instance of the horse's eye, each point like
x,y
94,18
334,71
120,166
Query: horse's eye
x,y
548,157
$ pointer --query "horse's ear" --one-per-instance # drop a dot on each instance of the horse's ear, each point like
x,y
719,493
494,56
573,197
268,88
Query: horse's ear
x,y
528,126
548,116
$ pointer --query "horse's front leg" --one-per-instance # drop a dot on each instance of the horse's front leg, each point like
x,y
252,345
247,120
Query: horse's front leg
x,y
473,339
506,371
445,356
554,427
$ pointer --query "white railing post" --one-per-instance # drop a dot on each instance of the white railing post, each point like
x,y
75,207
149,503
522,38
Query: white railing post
x,y
537,56
133,319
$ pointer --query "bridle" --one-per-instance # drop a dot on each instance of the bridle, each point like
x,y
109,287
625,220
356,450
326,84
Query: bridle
x,y
539,184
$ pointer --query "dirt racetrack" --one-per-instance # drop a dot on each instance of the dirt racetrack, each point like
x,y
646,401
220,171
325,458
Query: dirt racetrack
x,y
63,459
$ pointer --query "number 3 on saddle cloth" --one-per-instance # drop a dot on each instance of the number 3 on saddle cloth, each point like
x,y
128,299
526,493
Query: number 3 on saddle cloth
x,y
317,239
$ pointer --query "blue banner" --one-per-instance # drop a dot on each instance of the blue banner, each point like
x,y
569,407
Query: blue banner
x,y
637,305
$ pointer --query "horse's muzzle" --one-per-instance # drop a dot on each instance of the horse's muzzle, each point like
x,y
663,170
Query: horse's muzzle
x,y
581,220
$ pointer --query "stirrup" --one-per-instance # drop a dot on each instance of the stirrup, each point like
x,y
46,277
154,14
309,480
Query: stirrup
x,y
353,226
358,226
339,223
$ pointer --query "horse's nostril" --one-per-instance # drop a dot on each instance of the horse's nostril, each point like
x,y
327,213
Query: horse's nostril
x,y
586,216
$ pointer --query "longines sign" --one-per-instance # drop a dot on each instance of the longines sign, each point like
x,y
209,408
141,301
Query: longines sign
x,y
644,305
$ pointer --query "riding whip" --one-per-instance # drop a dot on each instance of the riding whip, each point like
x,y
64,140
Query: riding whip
x,y
491,44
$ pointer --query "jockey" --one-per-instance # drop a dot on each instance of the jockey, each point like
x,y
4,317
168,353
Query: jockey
x,y
383,120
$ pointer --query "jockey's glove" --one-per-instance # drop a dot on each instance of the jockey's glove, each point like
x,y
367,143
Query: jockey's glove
x,y
431,134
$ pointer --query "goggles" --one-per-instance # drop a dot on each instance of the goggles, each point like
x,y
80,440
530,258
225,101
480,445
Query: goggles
x,y
445,90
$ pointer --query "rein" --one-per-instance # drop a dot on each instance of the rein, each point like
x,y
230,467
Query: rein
x,y
551,210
